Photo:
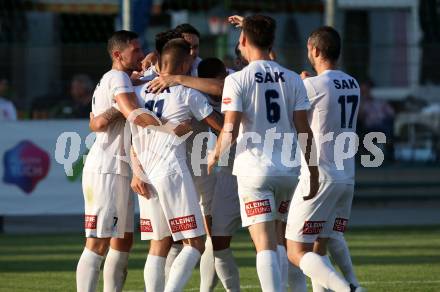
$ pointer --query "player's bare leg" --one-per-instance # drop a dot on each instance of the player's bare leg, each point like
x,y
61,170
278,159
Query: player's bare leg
x,y
154,270
208,275
315,266
116,263
265,239
89,264
225,265
184,263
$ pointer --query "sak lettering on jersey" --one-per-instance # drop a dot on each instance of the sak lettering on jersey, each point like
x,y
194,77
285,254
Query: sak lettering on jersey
x,y
268,78
345,84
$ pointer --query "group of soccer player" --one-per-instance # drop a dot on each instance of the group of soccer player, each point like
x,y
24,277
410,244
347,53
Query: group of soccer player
x,y
208,150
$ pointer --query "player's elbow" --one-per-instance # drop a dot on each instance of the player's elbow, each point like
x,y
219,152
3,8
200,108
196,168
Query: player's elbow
x,y
98,126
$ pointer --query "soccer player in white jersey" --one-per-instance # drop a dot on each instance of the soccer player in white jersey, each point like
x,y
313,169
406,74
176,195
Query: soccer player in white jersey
x,y
225,207
108,208
264,104
334,97
171,211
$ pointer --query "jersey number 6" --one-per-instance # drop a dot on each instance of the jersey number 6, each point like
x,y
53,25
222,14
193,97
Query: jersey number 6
x,y
273,108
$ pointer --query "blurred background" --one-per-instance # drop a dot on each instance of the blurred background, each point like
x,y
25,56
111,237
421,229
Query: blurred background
x,y
53,52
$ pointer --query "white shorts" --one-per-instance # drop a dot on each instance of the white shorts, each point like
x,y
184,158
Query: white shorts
x,y
109,207
324,216
205,186
225,205
265,198
173,209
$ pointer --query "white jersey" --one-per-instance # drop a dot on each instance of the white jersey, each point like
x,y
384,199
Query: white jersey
x,y
267,94
334,97
163,154
103,156
150,74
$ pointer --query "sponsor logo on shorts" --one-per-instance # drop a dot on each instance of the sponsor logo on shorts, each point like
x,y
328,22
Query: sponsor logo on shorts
x,y
313,227
227,100
90,221
284,207
255,208
340,224
146,225
183,223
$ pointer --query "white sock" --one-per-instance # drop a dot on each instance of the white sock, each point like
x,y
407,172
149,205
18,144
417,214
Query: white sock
x,y
182,268
154,273
208,277
339,252
227,270
315,267
268,270
172,255
297,279
87,271
115,270
284,263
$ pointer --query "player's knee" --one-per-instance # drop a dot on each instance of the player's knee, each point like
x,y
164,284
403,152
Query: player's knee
x,y
197,243
221,242
122,244
98,245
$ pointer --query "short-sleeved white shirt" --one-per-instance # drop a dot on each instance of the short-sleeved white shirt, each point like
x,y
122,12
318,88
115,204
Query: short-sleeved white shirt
x,y
160,153
335,98
107,152
267,94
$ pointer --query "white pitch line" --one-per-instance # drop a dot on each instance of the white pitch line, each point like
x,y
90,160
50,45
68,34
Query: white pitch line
x,y
362,283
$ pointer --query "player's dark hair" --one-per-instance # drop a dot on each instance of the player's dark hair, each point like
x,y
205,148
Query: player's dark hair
x,y
120,40
187,28
174,53
211,68
260,30
163,37
328,41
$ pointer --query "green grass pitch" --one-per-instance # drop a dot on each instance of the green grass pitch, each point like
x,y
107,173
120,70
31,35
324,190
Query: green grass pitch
x,y
386,259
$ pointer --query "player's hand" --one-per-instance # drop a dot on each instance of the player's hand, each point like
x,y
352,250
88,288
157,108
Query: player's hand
x,y
236,20
149,60
159,84
305,74
212,161
140,187
314,187
183,128
136,75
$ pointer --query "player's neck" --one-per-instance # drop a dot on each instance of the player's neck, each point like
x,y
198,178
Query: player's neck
x,y
321,67
257,55
119,67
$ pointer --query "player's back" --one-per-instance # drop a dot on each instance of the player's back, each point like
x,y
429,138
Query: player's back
x,y
267,94
160,152
335,98
106,154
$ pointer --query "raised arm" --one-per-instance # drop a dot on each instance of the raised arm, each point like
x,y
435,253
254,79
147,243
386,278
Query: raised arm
x,y
211,86
308,147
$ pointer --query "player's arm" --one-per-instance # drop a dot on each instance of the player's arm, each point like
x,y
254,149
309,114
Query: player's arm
x,y
228,136
211,86
308,147
215,121
102,121
127,104
137,184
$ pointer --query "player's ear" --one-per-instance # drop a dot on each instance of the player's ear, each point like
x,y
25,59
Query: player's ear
x,y
316,52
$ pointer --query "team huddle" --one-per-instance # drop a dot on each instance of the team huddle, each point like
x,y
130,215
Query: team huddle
x,y
211,150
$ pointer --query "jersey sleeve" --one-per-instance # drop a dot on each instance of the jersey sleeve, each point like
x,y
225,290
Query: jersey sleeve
x,y
301,99
232,95
311,92
120,83
198,105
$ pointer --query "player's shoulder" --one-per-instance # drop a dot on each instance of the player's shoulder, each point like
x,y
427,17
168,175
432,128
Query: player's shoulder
x,y
113,73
